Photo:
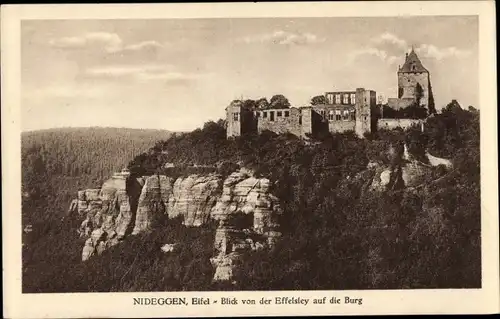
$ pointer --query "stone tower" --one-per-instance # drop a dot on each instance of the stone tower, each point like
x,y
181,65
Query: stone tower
x,y
365,100
414,84
240,119
233,119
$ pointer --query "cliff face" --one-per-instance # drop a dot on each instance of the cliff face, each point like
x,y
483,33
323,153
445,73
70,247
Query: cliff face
x,y
404,171
107,213
246,211
247,215
242,204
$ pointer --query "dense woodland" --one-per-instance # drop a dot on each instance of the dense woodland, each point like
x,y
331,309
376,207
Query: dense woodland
x,y
336,234
56,163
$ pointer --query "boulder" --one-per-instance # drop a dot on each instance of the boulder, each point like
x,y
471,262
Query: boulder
x,y
169,248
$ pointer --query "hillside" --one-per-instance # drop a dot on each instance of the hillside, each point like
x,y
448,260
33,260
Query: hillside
x,y
58,162
342,227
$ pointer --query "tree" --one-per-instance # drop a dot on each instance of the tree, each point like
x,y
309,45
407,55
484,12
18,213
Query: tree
x,y
416,141
318,100
413,111
279,101
262,103
473,110
453,106
388,112
249,104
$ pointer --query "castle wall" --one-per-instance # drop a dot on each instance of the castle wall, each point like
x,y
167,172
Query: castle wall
x,y
308,122
341,126
335,118
390,124
280,121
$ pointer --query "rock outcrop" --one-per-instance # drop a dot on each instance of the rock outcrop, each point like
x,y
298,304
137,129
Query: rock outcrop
x,y
154,197
247,214
246,210
404,171
193,198
107,213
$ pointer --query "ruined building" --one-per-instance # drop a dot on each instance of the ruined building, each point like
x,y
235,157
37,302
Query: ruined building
x,y
414,85
343,111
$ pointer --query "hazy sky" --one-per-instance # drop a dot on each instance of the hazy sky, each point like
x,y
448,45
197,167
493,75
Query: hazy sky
x,y
176,74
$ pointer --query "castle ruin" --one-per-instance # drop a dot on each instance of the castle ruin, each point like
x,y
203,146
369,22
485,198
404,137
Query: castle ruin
x,y
342,111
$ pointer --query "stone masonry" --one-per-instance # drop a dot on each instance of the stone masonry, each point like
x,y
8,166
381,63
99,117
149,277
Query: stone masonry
x,y
414,85
343,111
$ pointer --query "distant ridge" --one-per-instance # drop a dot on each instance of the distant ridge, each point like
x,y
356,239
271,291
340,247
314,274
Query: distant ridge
x,y
87,128
56,162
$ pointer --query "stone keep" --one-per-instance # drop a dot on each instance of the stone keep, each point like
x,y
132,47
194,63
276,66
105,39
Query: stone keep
x,y
414,85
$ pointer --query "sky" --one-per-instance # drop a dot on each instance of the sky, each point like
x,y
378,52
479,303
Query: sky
x,y
176,74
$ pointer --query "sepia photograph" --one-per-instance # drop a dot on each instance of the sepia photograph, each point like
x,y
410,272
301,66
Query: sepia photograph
x,y
251,154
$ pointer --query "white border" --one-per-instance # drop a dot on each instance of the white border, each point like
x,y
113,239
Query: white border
x,y
17,305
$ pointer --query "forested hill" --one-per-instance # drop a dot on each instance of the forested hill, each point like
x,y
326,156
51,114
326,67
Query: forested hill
x,y
336,233
58,162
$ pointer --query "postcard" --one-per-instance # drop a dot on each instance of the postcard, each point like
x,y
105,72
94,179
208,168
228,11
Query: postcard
x,y
249,159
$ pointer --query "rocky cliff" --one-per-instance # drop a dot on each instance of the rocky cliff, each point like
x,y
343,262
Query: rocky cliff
x,y
402,170
243,206
241,203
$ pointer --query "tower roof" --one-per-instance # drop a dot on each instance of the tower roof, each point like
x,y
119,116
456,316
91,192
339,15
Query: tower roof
x,y
412,63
